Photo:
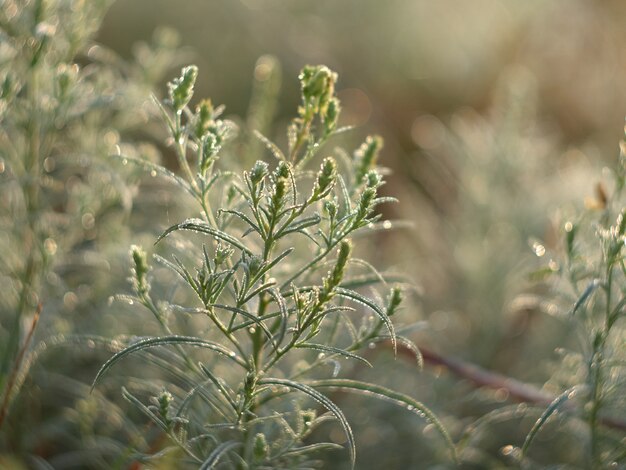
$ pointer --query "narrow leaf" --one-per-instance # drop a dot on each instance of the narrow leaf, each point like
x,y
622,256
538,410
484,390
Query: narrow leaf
x,y
355,296
552,408
389,395
593,285
217,454
165,341
333,350
271,146
160,170
324,401
249,316
199,225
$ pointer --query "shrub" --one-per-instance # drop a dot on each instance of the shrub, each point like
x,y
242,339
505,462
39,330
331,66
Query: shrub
x,y
277,284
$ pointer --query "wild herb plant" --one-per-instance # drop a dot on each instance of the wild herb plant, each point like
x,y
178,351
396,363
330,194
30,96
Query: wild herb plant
x,y
591,295
44,95
278,288
66,104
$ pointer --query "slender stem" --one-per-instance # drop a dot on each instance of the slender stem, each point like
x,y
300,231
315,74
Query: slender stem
x,y
517,390
16,366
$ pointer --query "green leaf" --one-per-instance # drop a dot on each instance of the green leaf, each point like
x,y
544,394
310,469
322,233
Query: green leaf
x,y
324,401
271,146
199,225
356,297
250,317
298,225
267,266
333,350
144,409
243,217
317,447
591,287
217,454
552,408
165,341
407,343
284,313
389,395
160,170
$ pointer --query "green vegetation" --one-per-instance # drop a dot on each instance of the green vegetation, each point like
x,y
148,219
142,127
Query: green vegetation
x,y
263,324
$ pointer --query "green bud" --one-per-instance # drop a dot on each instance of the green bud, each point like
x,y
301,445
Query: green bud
x,y
331,208
278,196
253,265
373,179
258,172
331,116
231,194
283,170
203,117
307,418
66,76
394,301
222,253
336,276
165,398
366,202
181,89
210,148
621,222
325,178
260,447
366,156
318,86
140,270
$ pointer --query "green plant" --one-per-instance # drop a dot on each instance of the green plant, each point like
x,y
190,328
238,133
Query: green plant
x,y
66,105
277,287
590,295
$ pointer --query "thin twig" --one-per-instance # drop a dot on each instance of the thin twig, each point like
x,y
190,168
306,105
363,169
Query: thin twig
x,y
517,390
16,366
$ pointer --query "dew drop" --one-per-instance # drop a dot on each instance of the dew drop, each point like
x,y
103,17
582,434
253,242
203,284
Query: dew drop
x,y
153,173
131,302
125,161
50,246
539,249
252,330
321,356
387,224
510,451
371,345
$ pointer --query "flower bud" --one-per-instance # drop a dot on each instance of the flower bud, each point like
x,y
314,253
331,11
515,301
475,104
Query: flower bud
x,y
366,156
395,299
203,117
181,89
325,178
260,447
140,270
258,172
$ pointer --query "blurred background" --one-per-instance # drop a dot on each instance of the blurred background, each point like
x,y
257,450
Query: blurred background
x,y
498,118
